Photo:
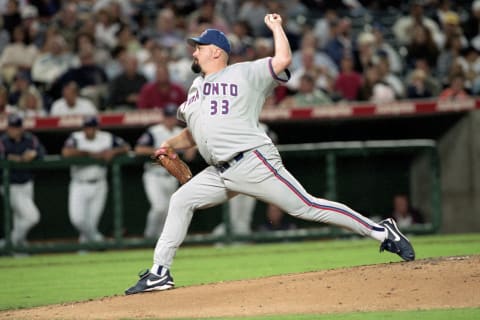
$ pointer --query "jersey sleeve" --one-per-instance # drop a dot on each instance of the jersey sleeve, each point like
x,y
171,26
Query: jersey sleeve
x,y
71,142
261,75
118,142
146,139
180,115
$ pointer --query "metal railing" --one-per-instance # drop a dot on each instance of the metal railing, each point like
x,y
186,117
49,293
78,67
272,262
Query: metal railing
x,y
331,151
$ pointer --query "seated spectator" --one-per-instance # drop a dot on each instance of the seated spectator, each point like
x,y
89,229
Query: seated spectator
x,y
155,55
349,81
322,27
126,39
162,92
403,213
17,56
472,69
5,107
389,77
165,31
451,28
422,46
21,85
67,22
11,17
340,43
432,83
404,27
124,89
48,66
30,104
322,73
307,96
471,25
307,59
241,41
71,103
373,89
90,78
365,52
253,13
386,48
106,29
451,55
456,90
85,41
206,14
417,86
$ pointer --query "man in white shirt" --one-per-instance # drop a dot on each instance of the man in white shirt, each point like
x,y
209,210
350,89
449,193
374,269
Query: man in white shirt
x,y
71,103
88,186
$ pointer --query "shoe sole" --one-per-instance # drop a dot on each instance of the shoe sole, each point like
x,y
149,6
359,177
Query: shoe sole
x,y
158,288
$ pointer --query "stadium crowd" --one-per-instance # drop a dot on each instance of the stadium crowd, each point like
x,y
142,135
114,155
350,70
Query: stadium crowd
x,y
85,56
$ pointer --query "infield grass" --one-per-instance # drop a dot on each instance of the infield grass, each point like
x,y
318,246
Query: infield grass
x,y
57,278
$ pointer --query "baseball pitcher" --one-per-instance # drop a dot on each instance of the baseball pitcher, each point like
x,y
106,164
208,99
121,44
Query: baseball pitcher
x,y
221,113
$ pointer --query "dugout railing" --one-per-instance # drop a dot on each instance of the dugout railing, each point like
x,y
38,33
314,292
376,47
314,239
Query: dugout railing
x,y
330,152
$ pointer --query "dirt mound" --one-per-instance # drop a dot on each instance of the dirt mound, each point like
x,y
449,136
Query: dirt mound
x,y
425,284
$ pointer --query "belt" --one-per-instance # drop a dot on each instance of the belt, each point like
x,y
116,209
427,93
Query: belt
x,y
223,166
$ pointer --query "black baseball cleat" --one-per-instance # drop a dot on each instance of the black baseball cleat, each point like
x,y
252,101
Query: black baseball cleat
x,y
396,242
152,282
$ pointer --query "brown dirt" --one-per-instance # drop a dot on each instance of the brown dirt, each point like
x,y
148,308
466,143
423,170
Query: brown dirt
x,y
452,282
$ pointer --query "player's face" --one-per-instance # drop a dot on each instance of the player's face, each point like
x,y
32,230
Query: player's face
x,y
90,132
14,132
200,55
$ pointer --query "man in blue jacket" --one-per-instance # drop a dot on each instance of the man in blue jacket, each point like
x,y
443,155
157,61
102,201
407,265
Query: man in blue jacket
x,y
18,145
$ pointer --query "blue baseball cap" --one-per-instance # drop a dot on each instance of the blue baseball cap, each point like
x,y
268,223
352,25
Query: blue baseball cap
x,y
212,36
14,120
90,121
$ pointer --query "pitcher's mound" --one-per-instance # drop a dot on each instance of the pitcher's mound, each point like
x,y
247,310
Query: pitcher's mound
x,y
452,282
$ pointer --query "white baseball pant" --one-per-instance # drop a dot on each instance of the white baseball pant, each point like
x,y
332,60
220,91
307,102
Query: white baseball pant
x,y
85,204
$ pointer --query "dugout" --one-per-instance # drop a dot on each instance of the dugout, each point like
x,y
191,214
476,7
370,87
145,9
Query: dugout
x,y
365,183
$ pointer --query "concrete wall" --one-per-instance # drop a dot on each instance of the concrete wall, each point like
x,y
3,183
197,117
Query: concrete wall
x,y
459,151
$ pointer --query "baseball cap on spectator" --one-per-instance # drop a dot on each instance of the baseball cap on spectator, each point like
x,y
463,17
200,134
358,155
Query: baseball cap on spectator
x,y
90,121
170,110
14,120
211,36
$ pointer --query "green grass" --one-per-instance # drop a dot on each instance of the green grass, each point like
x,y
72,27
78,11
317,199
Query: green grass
x,y
47,279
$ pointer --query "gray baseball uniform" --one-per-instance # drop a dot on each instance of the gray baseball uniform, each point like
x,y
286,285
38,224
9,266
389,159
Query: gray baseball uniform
x,y
221,112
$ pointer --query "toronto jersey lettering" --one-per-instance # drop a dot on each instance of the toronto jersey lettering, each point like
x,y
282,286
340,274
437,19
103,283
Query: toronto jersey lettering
x,y
222,109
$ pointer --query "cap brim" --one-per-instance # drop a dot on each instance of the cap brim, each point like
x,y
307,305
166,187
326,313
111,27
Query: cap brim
x,y
194,41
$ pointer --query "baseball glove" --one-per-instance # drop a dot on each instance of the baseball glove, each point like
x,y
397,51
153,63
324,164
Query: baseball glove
x,y
169,159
